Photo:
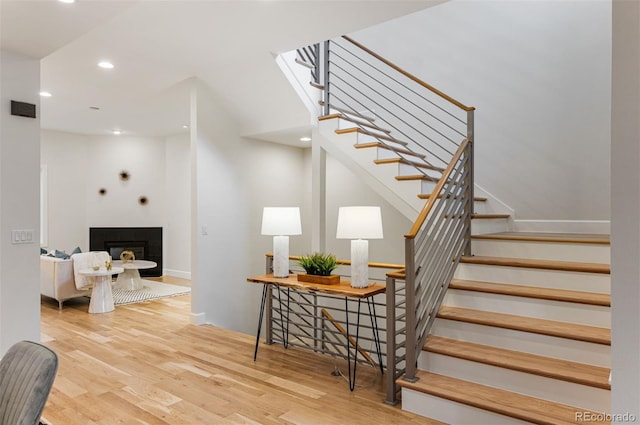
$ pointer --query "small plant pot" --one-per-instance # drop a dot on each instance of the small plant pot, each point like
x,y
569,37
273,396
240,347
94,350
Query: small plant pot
x,y
333,279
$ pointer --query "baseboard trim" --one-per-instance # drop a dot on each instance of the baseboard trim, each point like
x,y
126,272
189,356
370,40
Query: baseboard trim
x,y
197,319
177,273
563,226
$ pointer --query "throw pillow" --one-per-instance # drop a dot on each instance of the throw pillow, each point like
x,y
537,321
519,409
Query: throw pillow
x,y
43,251
76,250
61,254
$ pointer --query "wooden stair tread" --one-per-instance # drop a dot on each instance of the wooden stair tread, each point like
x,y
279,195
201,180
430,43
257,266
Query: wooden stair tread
x,y
565,370
528,324
572,266
348,112
428,195
391,148
519,406
412,163
489,216
355,121
590,298
417,177
316,85
369,133
548,237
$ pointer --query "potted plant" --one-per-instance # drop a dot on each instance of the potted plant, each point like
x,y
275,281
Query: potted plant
x,y
319,267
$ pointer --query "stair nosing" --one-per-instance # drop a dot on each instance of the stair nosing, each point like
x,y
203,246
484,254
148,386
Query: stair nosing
x,y
551,294
368,133
389,148
550,238
520,361
552,328
492,399
428,195
570,266
407,162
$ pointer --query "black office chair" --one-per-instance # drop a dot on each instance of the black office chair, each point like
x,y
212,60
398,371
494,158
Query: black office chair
x,y
27,372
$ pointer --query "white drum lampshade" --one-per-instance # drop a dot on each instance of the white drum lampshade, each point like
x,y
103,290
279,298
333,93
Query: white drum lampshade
x,y
359,224
281,222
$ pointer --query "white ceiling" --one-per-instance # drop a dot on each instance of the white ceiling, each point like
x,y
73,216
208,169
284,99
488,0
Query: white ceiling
x,y
157,46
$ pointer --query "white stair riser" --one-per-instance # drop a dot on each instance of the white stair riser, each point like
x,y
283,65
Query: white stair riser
x,y
451,412
594,253
555,390
549,346
573,281
530,307
494,225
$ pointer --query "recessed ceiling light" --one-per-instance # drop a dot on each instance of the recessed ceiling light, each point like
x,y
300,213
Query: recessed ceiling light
x,y
305,139
45,94
117,132
105,65
67,1
185,126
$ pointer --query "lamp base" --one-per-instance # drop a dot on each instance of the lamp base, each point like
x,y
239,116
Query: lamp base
x,y
280,256
359,263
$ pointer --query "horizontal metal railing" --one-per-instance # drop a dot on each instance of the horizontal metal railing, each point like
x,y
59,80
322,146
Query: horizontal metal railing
x,y
433,249
359,80
437,133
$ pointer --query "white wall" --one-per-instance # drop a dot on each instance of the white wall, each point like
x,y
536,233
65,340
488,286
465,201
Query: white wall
x,y
144,160
232,180
66,156
625,223
19,201
177,186
538,73
343,189
78,166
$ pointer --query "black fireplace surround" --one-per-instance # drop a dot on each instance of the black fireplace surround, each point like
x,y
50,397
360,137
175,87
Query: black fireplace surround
x,y
145,242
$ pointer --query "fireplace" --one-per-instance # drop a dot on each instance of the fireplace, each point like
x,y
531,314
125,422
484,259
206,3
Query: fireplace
x,y
145,242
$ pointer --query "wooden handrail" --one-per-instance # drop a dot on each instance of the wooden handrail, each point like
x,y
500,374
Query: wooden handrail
x,y
410,76
348,263
432,199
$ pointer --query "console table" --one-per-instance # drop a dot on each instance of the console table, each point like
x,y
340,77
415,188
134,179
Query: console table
x,y
342,290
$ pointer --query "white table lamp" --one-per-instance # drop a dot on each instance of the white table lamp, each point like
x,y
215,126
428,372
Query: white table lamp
x,y
359,224
280,222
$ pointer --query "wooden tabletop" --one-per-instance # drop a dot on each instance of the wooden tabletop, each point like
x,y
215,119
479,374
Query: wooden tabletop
x,y
344,289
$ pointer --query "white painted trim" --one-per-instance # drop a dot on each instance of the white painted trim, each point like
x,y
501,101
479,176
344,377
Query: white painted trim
x,y
197,319
564,226
177,273
495,205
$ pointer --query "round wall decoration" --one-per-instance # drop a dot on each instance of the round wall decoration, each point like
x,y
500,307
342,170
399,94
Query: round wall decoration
x,y
143,200
124,175
102,191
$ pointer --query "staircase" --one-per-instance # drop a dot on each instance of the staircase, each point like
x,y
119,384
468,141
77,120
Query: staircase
x,y
523,334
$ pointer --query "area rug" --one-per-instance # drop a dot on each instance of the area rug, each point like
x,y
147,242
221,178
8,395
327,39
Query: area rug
x,y
151,290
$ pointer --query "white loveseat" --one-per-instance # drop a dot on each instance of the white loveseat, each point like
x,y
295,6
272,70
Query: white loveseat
x,y
56,279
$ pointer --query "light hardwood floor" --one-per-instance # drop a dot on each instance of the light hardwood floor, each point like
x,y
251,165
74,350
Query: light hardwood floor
x,y
145,364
